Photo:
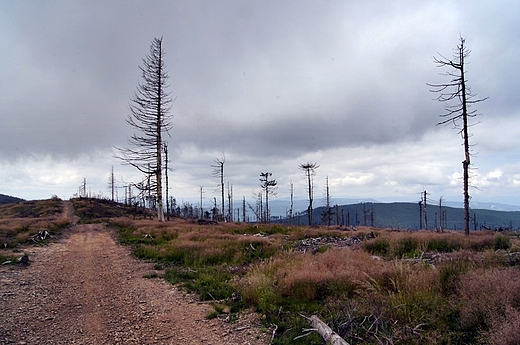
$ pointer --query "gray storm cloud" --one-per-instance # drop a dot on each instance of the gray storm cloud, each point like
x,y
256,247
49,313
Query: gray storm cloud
x,y
261,81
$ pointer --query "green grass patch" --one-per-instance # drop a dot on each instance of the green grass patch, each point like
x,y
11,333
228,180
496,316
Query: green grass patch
x,y
377,246
210,283
501,242
443,245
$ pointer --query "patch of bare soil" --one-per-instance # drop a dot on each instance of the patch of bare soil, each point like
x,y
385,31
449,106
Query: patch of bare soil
x,y
88,289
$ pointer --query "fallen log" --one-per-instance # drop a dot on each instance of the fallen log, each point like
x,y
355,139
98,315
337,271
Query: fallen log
x,y
330,337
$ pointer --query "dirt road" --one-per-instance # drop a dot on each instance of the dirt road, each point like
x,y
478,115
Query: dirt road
x,y
87,289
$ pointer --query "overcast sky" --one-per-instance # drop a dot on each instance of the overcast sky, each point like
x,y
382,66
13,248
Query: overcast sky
x,y
268,84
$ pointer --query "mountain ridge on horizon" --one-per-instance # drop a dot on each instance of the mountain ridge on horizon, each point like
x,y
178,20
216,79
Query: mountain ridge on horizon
x,y
278,207
6,199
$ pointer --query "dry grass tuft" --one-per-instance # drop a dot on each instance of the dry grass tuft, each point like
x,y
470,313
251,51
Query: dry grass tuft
x,y
487,296
505,330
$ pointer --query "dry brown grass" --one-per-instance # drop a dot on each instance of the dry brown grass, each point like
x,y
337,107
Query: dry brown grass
x,y
309,276
19,221
505,330
487,295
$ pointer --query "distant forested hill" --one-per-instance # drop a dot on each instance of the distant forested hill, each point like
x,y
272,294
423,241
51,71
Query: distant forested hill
x,y
6,199
402,215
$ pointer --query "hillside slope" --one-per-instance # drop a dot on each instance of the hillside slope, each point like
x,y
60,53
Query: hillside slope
x,y
6,199
402,215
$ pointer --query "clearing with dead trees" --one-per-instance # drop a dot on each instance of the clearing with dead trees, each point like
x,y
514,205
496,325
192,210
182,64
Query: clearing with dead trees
x,y
98,272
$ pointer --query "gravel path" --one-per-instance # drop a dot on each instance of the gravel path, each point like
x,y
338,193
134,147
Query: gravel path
x,y
87,289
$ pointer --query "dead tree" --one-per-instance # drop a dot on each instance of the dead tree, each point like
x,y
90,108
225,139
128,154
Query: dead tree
x,y
292,205
230,203
150,116
218,171
328,213
310,170
201,196
425,202
420,214
458,98
112,182
166,178
244,209
441,224
269,187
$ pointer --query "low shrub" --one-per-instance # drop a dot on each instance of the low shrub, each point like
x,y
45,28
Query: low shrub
x,y
176,275
501,242
480,243
449,274
406,247
147,253
377,246
443,245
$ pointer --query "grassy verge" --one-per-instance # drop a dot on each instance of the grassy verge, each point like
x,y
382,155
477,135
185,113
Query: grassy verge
x,y
400,288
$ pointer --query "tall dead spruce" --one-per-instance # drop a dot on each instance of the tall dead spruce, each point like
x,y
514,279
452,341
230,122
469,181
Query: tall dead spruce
x,y
458,98
150,116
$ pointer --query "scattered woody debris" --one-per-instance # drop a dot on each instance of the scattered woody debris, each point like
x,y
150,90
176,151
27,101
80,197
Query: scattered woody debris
x,y
40,236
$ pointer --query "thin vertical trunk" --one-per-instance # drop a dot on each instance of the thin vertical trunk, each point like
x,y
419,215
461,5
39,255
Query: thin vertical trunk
x,y
222,188
160,210
420,215
292,205
466,162
244,209
166,179
266,203
201,209
309,210
425,214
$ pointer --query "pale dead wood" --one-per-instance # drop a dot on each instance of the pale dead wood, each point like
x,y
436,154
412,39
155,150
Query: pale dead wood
x,y
274,333
330,337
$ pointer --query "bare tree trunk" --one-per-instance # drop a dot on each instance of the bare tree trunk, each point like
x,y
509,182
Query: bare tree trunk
x,y
311,197
463,98
166,179
244,209
292,205
425,213
160,209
